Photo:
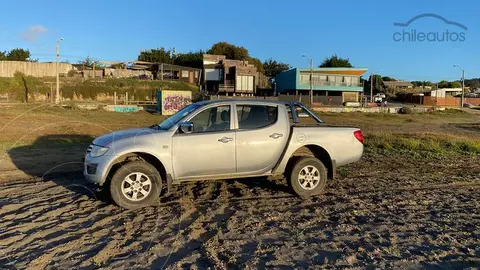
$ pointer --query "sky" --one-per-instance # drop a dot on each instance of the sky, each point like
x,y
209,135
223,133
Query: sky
x,y
362,31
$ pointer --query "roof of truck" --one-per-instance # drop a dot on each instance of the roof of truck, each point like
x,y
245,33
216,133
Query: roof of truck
x,y
243,100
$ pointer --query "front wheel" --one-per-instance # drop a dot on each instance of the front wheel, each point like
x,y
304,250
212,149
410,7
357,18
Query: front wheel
x,y
308,177
135,184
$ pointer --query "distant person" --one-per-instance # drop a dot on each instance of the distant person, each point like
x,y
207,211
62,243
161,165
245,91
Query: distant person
x,y
385,103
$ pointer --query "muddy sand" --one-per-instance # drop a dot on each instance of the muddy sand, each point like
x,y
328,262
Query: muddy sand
x,y
385,211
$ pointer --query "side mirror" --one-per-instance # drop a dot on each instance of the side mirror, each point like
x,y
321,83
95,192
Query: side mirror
x,y
186,127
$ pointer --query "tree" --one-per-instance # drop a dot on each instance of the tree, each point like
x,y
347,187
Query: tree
x,y
272,67
3,55
160,55
229,50
235,53
335,61
257,63
89,62
191,59
18,55
443,84
455,85
388,79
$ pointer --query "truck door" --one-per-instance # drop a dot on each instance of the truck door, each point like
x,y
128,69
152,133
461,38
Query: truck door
x,y
260,137
210,148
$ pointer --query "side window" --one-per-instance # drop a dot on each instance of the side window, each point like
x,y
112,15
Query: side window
x,y
256,116
212,119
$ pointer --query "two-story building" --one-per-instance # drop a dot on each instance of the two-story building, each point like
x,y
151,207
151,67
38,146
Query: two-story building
x,y
228,77
329,85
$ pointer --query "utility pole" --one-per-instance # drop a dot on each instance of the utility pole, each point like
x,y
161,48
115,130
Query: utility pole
x,y
371,87
311,82
57,97
463,85
311,79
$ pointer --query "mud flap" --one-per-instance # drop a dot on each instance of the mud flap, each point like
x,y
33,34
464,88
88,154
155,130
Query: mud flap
x,y
169,184
334,170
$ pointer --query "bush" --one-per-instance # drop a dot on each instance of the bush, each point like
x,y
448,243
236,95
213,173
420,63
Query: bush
x,y
406,110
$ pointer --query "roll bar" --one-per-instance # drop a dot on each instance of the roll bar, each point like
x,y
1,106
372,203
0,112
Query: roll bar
x,y
292,105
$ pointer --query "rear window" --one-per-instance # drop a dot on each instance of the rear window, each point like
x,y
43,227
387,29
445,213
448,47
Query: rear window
x,y
256,116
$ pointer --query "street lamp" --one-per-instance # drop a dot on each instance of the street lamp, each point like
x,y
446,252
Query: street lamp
x,y
463,84
57,97
311,78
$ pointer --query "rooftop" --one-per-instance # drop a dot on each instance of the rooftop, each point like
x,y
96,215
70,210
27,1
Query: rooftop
x,y
397,83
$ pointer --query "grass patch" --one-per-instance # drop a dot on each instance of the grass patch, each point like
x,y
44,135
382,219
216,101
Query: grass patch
x,y
422,144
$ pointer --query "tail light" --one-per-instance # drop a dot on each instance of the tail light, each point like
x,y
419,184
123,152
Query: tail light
x,y
359,135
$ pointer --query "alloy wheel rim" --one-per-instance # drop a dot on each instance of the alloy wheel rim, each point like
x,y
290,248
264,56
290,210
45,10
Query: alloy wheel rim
x,y
309,177
136,186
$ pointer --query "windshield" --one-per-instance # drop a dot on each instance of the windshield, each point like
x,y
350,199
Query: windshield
x,y
172,120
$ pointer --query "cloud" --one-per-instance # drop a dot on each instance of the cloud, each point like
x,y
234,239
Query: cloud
x,y
33,33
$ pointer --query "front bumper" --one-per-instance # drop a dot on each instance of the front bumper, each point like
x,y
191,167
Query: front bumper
x,y
95,169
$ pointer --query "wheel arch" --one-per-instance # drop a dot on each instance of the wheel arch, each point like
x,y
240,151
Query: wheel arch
x,y
311,150
139,155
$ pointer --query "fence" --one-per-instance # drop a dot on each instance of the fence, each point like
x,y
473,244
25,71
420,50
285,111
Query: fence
x,y
449,101
8,68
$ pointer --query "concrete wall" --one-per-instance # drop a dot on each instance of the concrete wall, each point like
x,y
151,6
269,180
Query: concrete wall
x,y
8,68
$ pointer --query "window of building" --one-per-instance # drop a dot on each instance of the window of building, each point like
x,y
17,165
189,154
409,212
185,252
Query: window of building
x,y
212,119
213,74
304,78
256,116
184,73
245,83
355,80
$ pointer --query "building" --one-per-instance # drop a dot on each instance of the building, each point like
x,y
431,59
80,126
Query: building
x,y
397,85
228,77
444,92
330,85
169,72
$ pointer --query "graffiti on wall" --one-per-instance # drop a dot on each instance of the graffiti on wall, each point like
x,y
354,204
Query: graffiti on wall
x,y
173,101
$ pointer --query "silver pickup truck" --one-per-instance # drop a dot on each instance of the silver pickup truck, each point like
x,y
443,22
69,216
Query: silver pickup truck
x,y
222,139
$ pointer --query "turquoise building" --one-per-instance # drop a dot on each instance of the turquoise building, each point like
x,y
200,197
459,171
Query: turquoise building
x,y
330,85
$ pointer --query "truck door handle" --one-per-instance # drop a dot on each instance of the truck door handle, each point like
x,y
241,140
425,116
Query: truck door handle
x,y
225,139
275,135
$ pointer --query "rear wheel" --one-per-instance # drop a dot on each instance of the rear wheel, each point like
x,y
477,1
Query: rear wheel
x,y
136,184
308,177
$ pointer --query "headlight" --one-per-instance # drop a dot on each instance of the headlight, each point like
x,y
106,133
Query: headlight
x,y
98,151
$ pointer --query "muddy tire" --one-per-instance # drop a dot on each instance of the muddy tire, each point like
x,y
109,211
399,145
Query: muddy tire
x,y
308,177
135,184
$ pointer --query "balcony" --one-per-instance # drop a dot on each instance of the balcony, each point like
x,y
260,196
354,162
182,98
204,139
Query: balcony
x,y
330,83
226,88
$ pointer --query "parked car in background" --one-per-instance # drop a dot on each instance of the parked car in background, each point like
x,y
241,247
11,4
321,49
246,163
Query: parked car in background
x,y
222,139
